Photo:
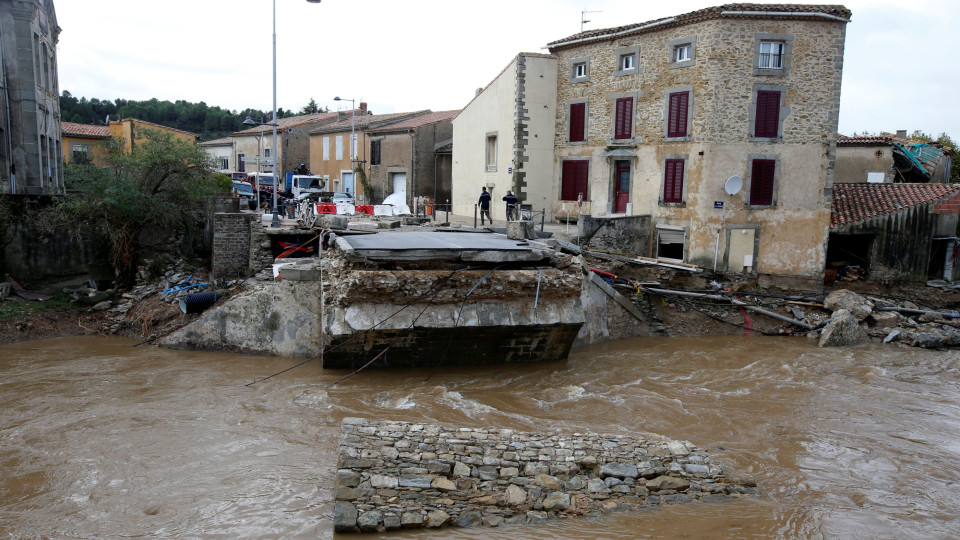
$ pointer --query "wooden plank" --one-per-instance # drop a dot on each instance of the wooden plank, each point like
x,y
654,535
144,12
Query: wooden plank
x,y
617,297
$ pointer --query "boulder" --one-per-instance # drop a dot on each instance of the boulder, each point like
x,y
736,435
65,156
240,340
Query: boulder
x,y
411,520
348,478
515,495
619,470
459,469
842,330
392,522
344,517
857,305
370,521
884,319
469,518
928,340
443,484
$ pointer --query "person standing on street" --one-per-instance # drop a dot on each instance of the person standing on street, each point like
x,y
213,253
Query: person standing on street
x,y
511,201
484,204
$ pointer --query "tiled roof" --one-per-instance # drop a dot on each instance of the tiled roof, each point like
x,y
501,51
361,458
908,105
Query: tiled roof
x,y
292,122
857,202
137,120
765,11
863,140
368,121
224,141
71,129
420,121
923,156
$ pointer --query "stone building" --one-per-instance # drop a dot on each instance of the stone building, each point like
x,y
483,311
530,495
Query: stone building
x,y
889,158
719,124
504,138
30,146
292,138
415,152
330,154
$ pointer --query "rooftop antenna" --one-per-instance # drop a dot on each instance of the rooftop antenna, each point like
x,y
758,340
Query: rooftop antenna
x,y
583,18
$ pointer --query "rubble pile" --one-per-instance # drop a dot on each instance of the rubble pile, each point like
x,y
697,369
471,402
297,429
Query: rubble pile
x,y
856,319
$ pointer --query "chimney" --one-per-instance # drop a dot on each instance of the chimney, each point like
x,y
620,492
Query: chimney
x,y
901,134
363,107
478,92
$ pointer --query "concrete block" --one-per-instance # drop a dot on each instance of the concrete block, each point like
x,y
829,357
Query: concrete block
x,y
521,230
391,224
330,221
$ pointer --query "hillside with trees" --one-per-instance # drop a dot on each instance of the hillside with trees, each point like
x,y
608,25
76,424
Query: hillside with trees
x,y
209,122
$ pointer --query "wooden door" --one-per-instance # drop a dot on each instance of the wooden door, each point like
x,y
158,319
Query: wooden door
x,y
622,187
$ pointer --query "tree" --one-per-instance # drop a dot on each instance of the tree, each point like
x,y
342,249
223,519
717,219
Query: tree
x,y
158,184
310,108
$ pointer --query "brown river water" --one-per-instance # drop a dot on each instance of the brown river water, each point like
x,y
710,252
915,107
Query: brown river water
x,y
101,439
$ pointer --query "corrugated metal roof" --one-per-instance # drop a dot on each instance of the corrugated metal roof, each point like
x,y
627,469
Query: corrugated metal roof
x,y
858,202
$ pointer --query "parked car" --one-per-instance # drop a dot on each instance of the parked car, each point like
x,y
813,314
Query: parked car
x,y
245,192
241,176
339,197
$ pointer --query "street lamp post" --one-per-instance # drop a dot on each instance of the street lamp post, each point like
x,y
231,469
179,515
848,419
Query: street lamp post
x,y
276,165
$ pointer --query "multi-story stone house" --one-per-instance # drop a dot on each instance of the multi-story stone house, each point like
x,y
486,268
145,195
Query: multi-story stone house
x,y
30,147
413,155
332,157
719,125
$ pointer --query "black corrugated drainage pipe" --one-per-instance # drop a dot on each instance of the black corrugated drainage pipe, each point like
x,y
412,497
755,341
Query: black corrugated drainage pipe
x,y
197,302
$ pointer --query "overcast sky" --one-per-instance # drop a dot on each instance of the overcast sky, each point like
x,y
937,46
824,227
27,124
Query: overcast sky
x,y
899,69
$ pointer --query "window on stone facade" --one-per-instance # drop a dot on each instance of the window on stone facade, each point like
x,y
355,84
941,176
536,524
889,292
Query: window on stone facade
x,y
623,119
628,61
771,55
580,70
762,177
678,107
225,163
374,152
681,53
491,153
767,124
578,122
574,179
673,181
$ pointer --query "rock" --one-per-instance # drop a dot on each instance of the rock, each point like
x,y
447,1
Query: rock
x,y
488,472
588,461
392,523
521,230
438,467
928,340
661,483
392,224
536,517
547,482
676,498
575,484
952,334
383,481
679,448
493,521
411,520
556,501
415,480
443,485
894,334
369,521
437,519
469,518
459,469
344,517
342,493
515,495
102,306
695,468
884,319
619,470
857,305
596,485
843,330
930,317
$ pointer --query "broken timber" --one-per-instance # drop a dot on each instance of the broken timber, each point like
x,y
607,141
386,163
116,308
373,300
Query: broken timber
x,y
619,298
735,302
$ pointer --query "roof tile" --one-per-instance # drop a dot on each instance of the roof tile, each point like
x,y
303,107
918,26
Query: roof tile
x,y
71,129
858,202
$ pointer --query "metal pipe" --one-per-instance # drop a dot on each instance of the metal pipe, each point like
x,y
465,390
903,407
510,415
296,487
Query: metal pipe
x,y
275,222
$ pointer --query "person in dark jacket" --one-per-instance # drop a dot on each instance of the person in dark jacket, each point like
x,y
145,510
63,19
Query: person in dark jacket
x,y
484,204
511,201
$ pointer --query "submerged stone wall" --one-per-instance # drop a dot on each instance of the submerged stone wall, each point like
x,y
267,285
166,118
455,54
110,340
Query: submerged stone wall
x,y
393,475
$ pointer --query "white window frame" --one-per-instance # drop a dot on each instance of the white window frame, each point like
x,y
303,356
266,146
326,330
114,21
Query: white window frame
x,y
491,152
681,53
580,70
767,52
224,163
628,61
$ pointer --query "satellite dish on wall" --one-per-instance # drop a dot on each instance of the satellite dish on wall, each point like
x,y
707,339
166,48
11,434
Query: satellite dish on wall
x,y
733,185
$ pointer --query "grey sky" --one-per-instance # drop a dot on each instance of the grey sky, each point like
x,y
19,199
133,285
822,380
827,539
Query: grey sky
x,y
433,54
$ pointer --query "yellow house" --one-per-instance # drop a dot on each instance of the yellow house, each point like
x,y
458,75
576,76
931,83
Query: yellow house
x,y
132,130
83,142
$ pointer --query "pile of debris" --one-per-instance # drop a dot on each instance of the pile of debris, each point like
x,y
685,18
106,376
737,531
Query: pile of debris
x,y
856,319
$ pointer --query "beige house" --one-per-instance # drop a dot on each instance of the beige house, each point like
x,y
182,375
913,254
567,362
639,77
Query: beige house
x,y
504,138
889,158
719,126
330,154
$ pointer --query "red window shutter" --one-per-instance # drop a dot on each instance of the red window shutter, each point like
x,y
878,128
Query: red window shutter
x,y
768,114
577,119
574,178
623,128
673,181
677,121
761,182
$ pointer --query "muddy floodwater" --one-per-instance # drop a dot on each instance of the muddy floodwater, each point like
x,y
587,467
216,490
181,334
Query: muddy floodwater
x,y
101,439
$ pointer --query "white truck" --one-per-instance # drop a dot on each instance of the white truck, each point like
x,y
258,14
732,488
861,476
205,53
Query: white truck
x,y
298,184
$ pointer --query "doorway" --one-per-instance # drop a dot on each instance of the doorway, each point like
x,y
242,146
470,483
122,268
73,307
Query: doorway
x,y
400,184
622,187
348,183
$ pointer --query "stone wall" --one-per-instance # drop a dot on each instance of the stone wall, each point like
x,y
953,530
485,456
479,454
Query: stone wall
x,y
626,234
231,244
393,475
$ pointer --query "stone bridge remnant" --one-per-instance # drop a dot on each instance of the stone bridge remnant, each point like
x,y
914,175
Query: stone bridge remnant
x,y
393,475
